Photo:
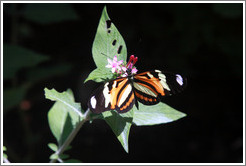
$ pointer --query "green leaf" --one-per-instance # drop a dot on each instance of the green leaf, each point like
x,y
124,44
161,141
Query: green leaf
x,y
120,124
156,114
64,156
64,115
12,97
46,13
4,148
99,75
54,156
229,10
68,147
5,155
17,57
53,147
73,161
39,73
103,47
65,97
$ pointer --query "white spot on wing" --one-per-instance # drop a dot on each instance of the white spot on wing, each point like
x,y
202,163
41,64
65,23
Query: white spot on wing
x,y
125,94
93,102
179,79
106,95
144,89
114,85
163,81
150,75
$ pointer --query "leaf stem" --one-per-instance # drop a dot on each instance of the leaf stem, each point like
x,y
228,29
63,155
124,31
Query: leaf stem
x,y
86,117
60,160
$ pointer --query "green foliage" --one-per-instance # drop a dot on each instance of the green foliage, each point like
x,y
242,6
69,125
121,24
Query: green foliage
x,y
64,114
103,48
68,148
120,124
17,57
99,75
39,73
53,147
73,161
12,97
64,156
156,114
4,154
54,156
58,12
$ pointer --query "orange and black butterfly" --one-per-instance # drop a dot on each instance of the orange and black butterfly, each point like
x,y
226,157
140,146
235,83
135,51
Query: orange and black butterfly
x,y
148,88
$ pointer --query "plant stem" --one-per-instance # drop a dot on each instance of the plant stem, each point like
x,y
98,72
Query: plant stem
x,y
72,135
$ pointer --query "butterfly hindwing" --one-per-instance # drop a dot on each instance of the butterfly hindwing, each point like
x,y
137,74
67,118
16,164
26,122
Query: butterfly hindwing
x,y
151,85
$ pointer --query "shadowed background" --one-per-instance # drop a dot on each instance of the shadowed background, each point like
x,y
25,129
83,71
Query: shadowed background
x,y
49,45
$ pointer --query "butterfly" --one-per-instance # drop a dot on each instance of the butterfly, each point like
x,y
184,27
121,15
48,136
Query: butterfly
x,y
123,92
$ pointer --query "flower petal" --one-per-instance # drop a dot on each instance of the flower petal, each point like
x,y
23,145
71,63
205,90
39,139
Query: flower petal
x,y
134,70
120,62
115,59
108,66
110,61
124,68
124,75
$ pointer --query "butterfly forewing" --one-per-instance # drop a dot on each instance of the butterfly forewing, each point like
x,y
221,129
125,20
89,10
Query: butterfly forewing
x,y
113,95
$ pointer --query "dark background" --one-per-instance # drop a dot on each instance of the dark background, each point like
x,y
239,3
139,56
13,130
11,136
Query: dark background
x,y
201,41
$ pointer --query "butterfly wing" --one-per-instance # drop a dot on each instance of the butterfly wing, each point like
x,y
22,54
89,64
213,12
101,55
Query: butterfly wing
x,y
151,85
147,87
114,95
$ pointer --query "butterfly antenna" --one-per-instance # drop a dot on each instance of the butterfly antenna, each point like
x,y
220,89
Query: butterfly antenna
x,y
105,55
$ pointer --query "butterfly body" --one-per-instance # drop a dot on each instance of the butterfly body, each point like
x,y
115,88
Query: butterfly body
x,y
122,93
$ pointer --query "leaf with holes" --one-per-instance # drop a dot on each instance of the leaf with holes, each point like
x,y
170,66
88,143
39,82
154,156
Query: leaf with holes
x,y
108,43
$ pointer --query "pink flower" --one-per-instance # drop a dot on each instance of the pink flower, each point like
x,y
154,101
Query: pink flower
x,y
134,70
115,65
131,62
123,70
130,65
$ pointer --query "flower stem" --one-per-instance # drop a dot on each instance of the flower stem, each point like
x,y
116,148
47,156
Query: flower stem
x,y
72,135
